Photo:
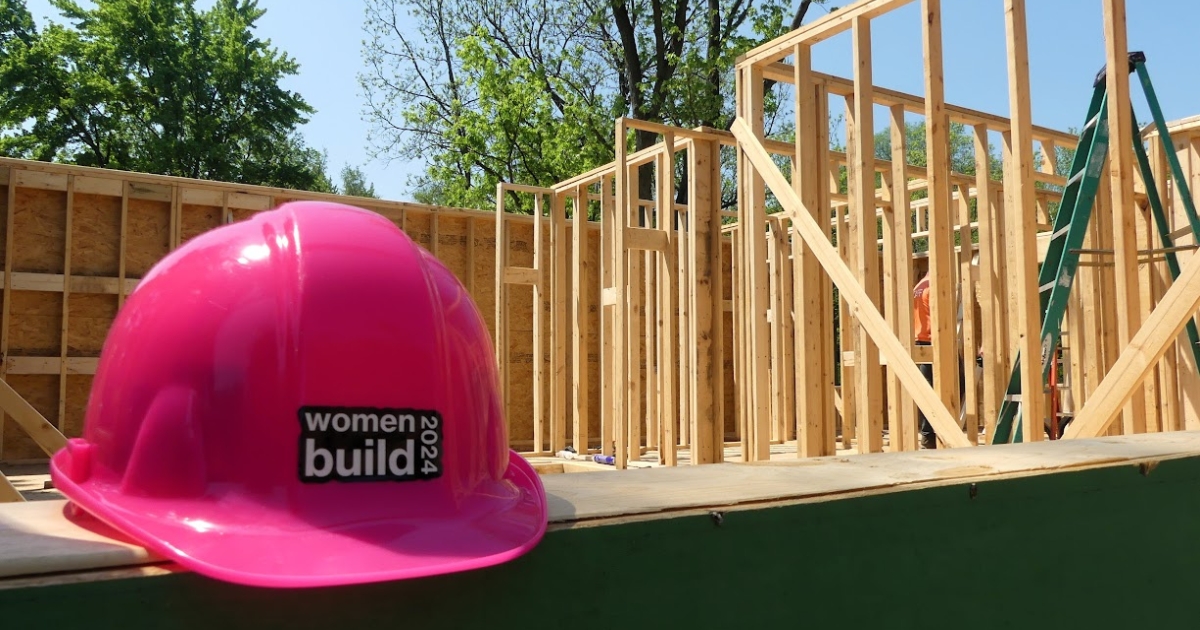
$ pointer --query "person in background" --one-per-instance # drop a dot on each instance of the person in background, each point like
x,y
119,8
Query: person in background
x,y
923,336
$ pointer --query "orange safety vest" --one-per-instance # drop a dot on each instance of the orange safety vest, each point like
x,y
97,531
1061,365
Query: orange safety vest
x,y
924,332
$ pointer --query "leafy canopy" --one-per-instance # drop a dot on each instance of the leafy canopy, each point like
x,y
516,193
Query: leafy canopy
x,y
526,90
154,86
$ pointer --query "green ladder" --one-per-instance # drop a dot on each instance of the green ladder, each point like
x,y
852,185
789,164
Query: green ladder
x,y
1057,272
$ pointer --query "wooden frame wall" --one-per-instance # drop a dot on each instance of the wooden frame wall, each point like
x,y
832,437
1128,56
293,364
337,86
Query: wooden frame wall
x,y
983,301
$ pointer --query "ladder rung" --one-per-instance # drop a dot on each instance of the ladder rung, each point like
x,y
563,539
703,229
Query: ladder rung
x,y
1076,177
1066,228
1046,287
1091,123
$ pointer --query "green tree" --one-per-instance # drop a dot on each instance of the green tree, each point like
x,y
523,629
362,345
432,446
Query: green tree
x,y
355,184
154,86
526,90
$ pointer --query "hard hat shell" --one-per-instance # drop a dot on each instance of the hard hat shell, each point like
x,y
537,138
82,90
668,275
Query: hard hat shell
x,y
303,398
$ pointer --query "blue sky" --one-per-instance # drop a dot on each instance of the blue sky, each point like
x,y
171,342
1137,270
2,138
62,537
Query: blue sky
x,y
1066,50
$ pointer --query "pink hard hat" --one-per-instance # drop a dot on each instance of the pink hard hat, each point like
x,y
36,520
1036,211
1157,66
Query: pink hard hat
x,y
303,398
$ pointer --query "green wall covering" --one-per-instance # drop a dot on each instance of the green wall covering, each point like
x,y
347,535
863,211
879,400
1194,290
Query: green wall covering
x,y
1105,548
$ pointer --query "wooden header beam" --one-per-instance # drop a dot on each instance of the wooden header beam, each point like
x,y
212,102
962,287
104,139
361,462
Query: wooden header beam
x,y
819,30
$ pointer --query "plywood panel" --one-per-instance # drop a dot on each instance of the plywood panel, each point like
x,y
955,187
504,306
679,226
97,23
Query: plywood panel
x,y
88,322
39,230
95,235
148,235
35,327
199,219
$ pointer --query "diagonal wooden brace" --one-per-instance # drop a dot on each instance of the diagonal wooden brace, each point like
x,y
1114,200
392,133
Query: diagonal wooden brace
x,y
861,308
8,492
1147,346
34,423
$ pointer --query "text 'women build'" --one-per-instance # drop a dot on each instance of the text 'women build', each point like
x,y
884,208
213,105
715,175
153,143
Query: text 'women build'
x,y
368,444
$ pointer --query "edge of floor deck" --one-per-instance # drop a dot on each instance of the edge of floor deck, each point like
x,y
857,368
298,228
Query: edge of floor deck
x,y
989,522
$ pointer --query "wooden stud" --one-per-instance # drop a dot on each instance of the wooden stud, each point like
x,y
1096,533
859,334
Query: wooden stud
x,y
619,286
559,325
813,379
994,381
580,305
539,328
967,302
6,318
122,247
608,256
941,246
666,277
1021,231
869,386
898,232
753,218
66,295
704,231
1120,171
636,357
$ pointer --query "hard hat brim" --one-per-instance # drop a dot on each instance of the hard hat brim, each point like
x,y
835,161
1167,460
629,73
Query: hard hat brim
x,y
212,537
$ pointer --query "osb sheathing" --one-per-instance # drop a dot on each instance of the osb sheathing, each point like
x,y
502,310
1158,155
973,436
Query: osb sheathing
x,y
465,242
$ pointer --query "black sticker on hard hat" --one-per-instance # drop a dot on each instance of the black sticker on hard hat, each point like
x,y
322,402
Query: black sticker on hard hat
x,y
369,444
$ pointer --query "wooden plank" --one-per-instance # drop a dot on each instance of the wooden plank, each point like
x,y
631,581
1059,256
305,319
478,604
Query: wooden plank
x,y
9,493
123,288
205,197
66,296
107,186
813,380
1120,172
646,239
608,305
522,275
939,416
51,365
666,325
818,30
1022,238
500,307
6,317
560,310
869,386
776,316
753,218
686,330
967,298
990,287
898,232
539,328
618,220
41,180
246,201
635,333
706,291
580,279
820,211
942,306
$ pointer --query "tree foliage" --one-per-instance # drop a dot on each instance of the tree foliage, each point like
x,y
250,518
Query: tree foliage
x,y
154,86
526,90
355,184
